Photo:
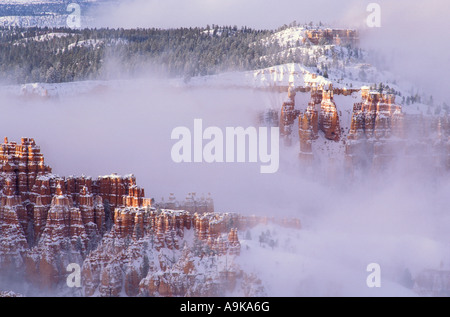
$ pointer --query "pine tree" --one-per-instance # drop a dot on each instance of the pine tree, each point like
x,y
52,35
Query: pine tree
x,y
145,266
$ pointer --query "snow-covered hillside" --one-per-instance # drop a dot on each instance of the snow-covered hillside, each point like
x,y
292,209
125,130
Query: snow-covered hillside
x,y
315,63
291,37
284,75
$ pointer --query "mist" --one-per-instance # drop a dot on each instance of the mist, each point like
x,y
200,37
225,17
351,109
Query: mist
x,y
397,218
126,128
411,39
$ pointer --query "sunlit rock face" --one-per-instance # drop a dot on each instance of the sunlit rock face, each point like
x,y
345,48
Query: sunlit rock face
x,y
49,221
125,244
328,117
288,116
332,36
379,133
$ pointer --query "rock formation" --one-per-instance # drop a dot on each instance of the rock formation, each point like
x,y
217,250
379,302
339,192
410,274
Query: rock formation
x,y
308,124
288,116
374,121
49,221
163,260
333,36
321,115
328,116
125,244
13,243
379,131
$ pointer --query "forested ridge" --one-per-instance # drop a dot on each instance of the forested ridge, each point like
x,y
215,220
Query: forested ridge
x,y
62,55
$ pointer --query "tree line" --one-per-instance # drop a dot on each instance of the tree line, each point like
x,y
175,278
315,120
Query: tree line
x,y
29,55
54,55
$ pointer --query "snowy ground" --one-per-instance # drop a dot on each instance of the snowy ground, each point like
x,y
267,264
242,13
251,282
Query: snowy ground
x,y
332,261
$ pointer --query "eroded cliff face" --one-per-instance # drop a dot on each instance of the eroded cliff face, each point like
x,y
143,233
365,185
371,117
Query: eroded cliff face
x,y
288,116
192,203
49,221
13,244
379,131
376,130
164,252
321,114
125,244
328,117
